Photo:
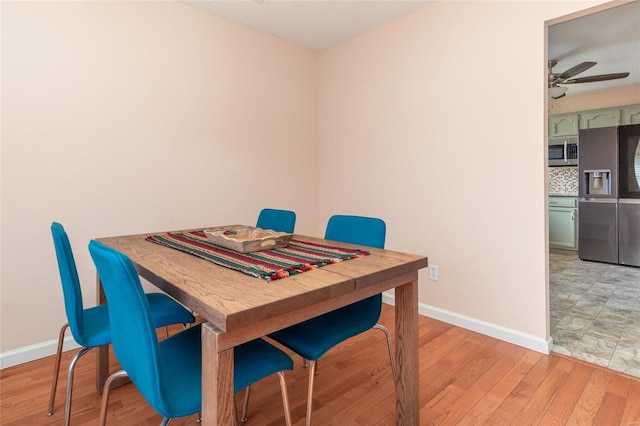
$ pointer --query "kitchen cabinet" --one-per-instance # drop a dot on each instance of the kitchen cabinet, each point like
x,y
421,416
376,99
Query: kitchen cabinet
x,y
569,123
563,223
600,118
631,115
563,125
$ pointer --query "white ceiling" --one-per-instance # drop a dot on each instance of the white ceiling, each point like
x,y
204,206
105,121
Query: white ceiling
x,y
317,24
611,37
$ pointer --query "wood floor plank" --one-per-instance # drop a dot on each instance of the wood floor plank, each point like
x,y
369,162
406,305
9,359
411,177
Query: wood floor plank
x,y
610,410
469,398
613,404
590,398
545,394
561,407
632,408
519,397
465,379
444,372
458,397
484,409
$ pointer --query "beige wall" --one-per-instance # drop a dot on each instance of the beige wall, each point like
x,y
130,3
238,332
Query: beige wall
x,y
602,99
436,123
122,117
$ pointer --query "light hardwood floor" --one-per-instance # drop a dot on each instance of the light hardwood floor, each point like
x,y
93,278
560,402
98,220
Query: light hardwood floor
x,y
465,378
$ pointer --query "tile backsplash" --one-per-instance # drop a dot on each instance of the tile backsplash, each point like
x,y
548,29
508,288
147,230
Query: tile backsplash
x,y
563,181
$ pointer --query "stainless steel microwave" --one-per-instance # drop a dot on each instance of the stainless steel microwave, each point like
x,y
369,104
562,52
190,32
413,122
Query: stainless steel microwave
x,y
563,151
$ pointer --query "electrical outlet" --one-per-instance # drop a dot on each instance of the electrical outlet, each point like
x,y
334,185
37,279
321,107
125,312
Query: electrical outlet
x,y
433,272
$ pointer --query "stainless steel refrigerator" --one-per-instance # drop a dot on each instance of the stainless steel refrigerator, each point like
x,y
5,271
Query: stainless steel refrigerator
x,y
609,195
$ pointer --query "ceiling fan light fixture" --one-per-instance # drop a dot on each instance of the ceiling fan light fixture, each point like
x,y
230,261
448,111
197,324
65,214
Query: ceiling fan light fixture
x,y
556,92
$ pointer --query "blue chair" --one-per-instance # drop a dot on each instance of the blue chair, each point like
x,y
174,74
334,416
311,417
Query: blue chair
x,y
90,327
278,220
311,339
168,373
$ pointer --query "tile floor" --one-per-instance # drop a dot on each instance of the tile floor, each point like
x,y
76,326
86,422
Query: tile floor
x,y
595,311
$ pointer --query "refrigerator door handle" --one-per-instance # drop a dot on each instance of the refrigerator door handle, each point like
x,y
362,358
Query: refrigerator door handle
x,y
566,160
598,200
629,200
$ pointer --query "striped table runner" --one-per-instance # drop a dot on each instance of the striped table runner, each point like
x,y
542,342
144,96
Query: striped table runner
x,y
273,264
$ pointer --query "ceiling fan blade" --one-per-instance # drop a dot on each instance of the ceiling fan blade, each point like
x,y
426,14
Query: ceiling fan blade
x,y
573,71
594,78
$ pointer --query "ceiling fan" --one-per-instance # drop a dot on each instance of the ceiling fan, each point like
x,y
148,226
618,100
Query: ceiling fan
x,y
556,91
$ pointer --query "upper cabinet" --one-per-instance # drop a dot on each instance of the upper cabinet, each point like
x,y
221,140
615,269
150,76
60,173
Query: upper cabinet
x,y
563,125
631,115
569,124
600,118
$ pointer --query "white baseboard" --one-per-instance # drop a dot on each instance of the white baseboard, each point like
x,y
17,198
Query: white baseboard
x,y
488,329
34,352
48,348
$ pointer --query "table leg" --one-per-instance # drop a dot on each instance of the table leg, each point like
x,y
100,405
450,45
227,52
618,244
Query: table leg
x,y
102,352
407,396
217,380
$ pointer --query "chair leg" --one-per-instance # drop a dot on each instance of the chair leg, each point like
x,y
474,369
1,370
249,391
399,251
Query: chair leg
x,y
312,365
388,335
72,367
105,395
285,398
235,412
245,406
56,369
165,421
305,364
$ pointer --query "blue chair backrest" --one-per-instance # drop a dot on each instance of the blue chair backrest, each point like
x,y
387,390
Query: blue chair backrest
x,y
368,231
278,220
133,334
71,290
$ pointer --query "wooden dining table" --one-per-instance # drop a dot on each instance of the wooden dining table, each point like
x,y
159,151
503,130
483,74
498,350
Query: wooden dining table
x,y
238,307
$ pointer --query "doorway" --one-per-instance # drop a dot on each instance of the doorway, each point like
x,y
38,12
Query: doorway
x,y
594,307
